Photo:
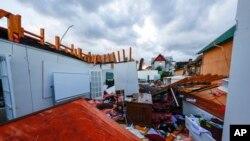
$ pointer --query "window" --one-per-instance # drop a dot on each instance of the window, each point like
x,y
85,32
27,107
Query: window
x,y
96,83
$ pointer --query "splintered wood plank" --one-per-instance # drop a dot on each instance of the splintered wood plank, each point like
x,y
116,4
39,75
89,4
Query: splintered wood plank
x,y
208,105
42,36
57,42
114,56
3,13
194,79
76,121
130,54
72,49
124,57
119,59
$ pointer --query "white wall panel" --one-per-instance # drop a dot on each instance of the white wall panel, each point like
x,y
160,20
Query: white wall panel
x,y
50,67
36,58
126,77
5,47
70,85
21,82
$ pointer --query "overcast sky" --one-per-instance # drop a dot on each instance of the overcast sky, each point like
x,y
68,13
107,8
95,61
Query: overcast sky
x,y
177,28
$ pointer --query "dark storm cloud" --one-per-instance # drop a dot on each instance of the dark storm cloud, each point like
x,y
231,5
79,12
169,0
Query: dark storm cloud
x,y
181,26
64,8
188,13
118,36
163,11
53,8
91,5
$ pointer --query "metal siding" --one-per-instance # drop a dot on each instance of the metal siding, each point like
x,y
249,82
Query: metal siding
x,y
126,77
21,83
5,47
36,59
70,85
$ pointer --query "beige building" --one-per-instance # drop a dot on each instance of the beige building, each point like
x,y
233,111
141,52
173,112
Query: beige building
x,y
217,54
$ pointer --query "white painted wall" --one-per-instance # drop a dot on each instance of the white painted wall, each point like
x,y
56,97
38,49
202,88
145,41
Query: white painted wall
x,y
32,70
126,77
238,100
153,74
162,64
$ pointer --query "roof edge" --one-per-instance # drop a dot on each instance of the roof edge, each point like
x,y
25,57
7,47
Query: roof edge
x,y
227,35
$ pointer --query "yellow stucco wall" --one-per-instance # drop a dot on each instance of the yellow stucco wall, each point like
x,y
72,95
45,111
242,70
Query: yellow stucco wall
x,y
214,61
178,72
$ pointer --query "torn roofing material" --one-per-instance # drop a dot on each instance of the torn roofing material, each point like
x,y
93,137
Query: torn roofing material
x,y
194,80
229,34
76,120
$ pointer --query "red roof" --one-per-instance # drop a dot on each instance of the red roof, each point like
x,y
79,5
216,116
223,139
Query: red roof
x,y
160,58
76,121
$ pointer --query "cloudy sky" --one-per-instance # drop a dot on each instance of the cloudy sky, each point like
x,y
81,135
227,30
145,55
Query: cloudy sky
x,y
177,28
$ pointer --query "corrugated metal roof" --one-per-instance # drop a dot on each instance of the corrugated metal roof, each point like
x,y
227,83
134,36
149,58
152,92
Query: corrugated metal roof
x,y
221,39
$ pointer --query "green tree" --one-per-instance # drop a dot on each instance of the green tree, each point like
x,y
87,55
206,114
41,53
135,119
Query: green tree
x,y
165,74
159,68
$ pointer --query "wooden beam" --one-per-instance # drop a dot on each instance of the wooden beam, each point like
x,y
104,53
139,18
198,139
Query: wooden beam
x,y
22,32
85,58
99,59
4,13
42,36
95,58
57,42
111,58
124,57
119,59
30,33
105,58
17,24
102,59
79,52
50,44
72,49
130,54
92,58
66,50
89,57
10,27
114,57
75,52
108,58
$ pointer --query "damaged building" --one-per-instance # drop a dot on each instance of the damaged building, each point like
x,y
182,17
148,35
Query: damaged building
x,y
52,91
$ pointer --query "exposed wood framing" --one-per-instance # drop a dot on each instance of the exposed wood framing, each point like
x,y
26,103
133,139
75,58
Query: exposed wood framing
x,y
4,13
130,54
124,57
57,42
209,106
114,57
119,59
89,57
16,32
42,36
72,49
191,81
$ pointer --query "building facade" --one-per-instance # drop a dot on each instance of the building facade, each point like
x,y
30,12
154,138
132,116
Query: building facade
x,y
163,63
217,55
